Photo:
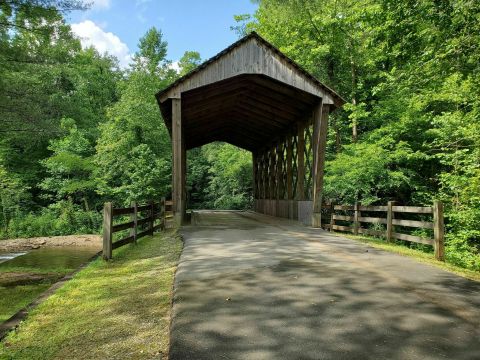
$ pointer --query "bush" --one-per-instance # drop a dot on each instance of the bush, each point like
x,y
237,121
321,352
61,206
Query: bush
x,y
458,251
62,218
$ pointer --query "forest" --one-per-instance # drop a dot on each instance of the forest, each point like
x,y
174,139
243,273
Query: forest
x,y
78,130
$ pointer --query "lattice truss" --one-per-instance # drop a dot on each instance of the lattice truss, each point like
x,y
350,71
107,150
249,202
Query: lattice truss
x,y
276,168
308,160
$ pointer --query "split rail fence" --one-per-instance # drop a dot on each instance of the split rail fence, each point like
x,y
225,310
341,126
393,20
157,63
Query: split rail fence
x,y
356,220
142,222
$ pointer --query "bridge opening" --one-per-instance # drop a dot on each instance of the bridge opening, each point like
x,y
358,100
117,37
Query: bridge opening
x,y
219,177
253,97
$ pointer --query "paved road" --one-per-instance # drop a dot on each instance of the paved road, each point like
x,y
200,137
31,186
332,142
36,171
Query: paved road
x,y
251,286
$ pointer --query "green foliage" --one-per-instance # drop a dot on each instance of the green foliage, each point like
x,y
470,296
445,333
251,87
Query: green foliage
x,y
61,218
362,172
133,149
70,167
220,177
189,61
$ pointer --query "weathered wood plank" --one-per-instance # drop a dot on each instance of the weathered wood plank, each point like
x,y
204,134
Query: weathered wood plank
x,y
373,208
412,238
390,228
439,230
178,168
123,226
320,124
372,220
413,209
343,207
122,242
300,192
122,211
413,223
342,228
107,230
342,217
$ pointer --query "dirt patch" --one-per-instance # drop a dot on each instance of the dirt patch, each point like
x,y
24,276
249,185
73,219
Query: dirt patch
x,y
12,245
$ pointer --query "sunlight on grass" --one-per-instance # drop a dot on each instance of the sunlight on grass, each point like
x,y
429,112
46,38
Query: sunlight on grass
x,y
118,309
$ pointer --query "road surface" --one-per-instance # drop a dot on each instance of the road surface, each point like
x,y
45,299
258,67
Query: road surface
x,y
251,286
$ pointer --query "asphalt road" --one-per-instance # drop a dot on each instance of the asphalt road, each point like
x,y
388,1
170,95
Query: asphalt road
x,y
250,286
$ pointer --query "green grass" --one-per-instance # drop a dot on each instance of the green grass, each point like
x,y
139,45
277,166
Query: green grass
x,y
12,300
109,310
419,255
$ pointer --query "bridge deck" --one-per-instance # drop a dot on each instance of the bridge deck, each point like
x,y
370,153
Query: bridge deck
x,y
251,286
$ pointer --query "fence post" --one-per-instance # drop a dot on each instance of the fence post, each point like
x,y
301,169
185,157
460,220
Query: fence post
x,y
332,220
134,218
356,214
107,230
152,217
163,215
389,233
438,230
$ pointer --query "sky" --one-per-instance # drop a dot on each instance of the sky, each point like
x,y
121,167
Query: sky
x,y
115,26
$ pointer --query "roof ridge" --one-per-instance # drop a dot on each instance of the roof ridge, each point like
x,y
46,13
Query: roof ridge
x,y
253,34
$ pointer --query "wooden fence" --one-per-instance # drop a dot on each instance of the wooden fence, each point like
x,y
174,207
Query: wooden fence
x,y
141,223
356,220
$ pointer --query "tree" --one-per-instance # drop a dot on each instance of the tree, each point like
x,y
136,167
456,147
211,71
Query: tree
x,y
133,150
152,52
70,167
189,61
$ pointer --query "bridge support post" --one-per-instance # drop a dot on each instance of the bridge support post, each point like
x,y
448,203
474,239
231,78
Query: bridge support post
x,y
320,128
179,164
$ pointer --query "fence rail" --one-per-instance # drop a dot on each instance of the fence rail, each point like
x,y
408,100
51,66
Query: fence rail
x,y
356,220
140,215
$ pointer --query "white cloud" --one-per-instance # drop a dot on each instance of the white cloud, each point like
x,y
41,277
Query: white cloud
x,y
100,4
175,66
91,34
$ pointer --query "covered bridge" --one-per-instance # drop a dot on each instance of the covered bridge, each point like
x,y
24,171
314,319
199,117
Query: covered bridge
x,y
254,97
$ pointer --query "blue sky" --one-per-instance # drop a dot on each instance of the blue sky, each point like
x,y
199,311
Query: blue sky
x,y
115,26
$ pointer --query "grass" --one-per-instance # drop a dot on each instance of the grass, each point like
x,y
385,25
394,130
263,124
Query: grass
x,y
419,255
12,300
110,310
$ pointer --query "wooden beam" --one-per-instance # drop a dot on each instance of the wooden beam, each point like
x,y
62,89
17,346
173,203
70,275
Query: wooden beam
x,y
273,113
179,163
438,231
255,175
279,173
320,125
271,174
300,161
289,167
255,113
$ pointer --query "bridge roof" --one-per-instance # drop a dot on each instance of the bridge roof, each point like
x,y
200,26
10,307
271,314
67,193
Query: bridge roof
x,y
248,95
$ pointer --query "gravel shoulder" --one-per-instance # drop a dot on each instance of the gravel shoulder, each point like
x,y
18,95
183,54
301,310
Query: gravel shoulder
x,y
12,245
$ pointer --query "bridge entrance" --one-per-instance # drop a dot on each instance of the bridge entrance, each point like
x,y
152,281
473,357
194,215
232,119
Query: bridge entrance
x,y
254,97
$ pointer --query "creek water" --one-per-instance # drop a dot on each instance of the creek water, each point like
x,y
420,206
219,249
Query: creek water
x,y
10,256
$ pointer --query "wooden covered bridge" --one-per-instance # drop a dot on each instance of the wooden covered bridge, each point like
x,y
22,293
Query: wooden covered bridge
x,y
254,97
